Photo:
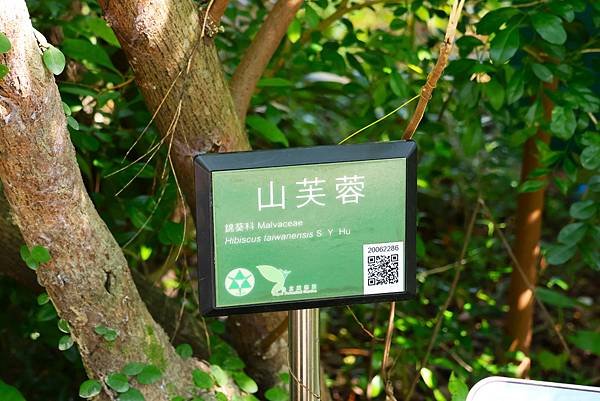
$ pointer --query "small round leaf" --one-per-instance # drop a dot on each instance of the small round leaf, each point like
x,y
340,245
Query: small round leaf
x,y
4,43
118,382
132,394
90,388
184,350
245,382
149,374
133,368
54,60
65,342
202,379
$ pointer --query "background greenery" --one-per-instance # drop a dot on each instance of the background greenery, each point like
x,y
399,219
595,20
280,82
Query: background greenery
x,y
342,66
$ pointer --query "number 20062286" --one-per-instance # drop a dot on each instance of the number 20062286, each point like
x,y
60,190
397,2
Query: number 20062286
x,y
384,248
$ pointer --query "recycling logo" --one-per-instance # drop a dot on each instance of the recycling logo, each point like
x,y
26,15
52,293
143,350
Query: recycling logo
x,y
239,282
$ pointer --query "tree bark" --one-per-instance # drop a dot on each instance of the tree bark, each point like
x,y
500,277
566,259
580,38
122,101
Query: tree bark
x,y
87,277
159,37
530,206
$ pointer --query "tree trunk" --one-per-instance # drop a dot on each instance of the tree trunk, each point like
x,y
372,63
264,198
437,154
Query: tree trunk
x,y
530,206
87,277
159,37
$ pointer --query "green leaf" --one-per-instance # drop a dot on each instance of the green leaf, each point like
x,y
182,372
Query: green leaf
x,y
245,382
83,50
219,375
233,363
274,82
493,20
149,374
98,27
184,350
133,368
267,130
594,183
294,31
90,388
10,393
457,388
106,332
40,254
220,396
531,186
563,122
4,43
27,258
202,379
572,233
583,210
550,361
428,377
542,72
555,298
3,71
505,44
118,382
43,298
65,342
71,122
66,109
132,394
587,341
559,254
590,157
495,93
54,60
311,16
276,394
171,233
63,326
549,27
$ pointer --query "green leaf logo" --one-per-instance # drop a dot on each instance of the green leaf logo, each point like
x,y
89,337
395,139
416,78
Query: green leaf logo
x,y
276,276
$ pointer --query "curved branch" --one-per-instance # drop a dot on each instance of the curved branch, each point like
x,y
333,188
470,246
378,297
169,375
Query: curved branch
x,y
257,56
438,69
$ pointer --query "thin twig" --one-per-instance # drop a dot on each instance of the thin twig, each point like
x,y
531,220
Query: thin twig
x,y
438,69
389,390
378,120
362,326
530,286
444,308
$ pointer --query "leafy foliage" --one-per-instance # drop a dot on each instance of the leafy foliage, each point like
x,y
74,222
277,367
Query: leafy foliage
x,y
330,77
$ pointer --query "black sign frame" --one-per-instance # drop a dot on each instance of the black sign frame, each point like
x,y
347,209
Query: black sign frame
x,y
207,163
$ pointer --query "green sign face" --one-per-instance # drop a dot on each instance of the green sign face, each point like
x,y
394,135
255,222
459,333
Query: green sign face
x,y
296,235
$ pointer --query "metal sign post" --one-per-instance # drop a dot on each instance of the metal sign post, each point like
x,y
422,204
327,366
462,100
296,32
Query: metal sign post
x,y
304,355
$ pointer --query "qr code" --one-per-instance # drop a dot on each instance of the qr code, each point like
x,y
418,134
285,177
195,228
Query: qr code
x,y
382,269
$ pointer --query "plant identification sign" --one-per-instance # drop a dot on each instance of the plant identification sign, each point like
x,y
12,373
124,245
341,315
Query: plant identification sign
x,y
306,227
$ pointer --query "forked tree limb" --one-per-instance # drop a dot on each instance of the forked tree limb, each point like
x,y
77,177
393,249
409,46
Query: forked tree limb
x,y
160,39
257,56
438,69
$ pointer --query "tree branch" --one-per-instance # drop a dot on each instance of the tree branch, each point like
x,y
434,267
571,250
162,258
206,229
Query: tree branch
x,y
217,10
181,77
437,71
257,56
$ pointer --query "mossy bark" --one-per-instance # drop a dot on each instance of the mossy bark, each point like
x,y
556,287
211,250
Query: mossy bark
x,y
87,278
